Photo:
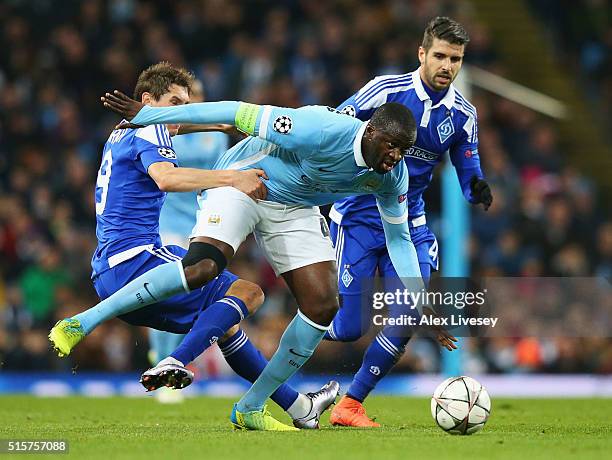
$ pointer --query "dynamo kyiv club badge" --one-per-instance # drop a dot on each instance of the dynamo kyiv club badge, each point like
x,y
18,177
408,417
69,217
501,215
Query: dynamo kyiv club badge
x,y
445,129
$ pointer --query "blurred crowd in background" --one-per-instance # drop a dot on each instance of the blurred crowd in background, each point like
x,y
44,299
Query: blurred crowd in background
x,y
57,58
579,32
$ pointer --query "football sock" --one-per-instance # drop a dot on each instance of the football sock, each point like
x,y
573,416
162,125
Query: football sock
x,y
296,346
163,343
211,324
248,362
157,284
301,407
379,358
170,360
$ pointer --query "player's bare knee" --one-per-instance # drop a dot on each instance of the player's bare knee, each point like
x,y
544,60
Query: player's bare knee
x,y
256,298
250,293
323,306
329,310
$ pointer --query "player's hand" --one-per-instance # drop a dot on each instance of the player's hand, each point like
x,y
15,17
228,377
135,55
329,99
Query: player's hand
x,y
250,183
444,338
121,104
481,192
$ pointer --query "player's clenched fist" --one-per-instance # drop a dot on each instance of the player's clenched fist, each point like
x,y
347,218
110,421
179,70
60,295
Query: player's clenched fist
x,y
481,192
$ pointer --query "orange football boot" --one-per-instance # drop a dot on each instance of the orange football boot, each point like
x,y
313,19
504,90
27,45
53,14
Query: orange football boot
x,y
350,412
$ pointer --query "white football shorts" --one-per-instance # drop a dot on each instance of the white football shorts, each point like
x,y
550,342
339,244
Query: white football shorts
x,y
291,236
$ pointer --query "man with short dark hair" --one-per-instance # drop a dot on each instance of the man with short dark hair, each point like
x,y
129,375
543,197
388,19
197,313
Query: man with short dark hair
x,y
446,122
313,156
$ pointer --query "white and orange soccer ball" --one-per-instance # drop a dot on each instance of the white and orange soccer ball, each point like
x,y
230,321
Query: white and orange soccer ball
x,y
461,405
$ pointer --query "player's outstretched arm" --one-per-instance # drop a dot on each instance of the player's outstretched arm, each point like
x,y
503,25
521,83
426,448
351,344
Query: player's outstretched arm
x,y
293,129
225,112
230,130
172,179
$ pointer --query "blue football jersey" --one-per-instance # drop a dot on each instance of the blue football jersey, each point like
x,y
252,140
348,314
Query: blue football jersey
x,y
448,126
196,150
128,201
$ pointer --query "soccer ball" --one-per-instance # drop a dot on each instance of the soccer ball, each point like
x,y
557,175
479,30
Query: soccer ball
x,y
460,405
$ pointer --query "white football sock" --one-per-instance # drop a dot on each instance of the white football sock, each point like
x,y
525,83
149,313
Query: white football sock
x,y
301,407
171,360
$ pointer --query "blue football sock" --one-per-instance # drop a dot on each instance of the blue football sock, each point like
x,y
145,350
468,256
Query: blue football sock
x,y
163,343
379,358
159,283
329,335
248,362
211,324
296,346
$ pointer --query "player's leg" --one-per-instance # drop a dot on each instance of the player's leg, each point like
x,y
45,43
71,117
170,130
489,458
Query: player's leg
x,y
161,344
229,217
356,258
248,362
222,304
296,243
314,288
203,262
240,300
390,343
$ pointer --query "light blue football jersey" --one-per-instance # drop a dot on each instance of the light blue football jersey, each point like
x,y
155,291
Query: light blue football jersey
x,y
312,154
196,150
450,126
128,201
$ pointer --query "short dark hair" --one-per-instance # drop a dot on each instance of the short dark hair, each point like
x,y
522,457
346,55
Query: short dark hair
x,y
446,29
397,121
158,78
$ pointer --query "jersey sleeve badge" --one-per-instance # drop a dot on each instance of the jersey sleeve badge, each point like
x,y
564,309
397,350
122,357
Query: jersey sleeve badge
x,y
167,153
283,124
349,110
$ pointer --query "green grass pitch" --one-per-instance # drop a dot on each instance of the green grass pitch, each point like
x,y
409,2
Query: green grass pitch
x,y
113,428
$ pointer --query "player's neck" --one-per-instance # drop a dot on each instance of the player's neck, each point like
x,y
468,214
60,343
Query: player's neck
x,y
435,96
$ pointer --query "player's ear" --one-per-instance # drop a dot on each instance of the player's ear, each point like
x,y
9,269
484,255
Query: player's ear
x,y
422,54
146,98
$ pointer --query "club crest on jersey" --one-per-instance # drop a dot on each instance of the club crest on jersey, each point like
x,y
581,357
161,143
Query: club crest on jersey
x,y
283,124
445,129
167,153
214,219
349,110
346,278
402,198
